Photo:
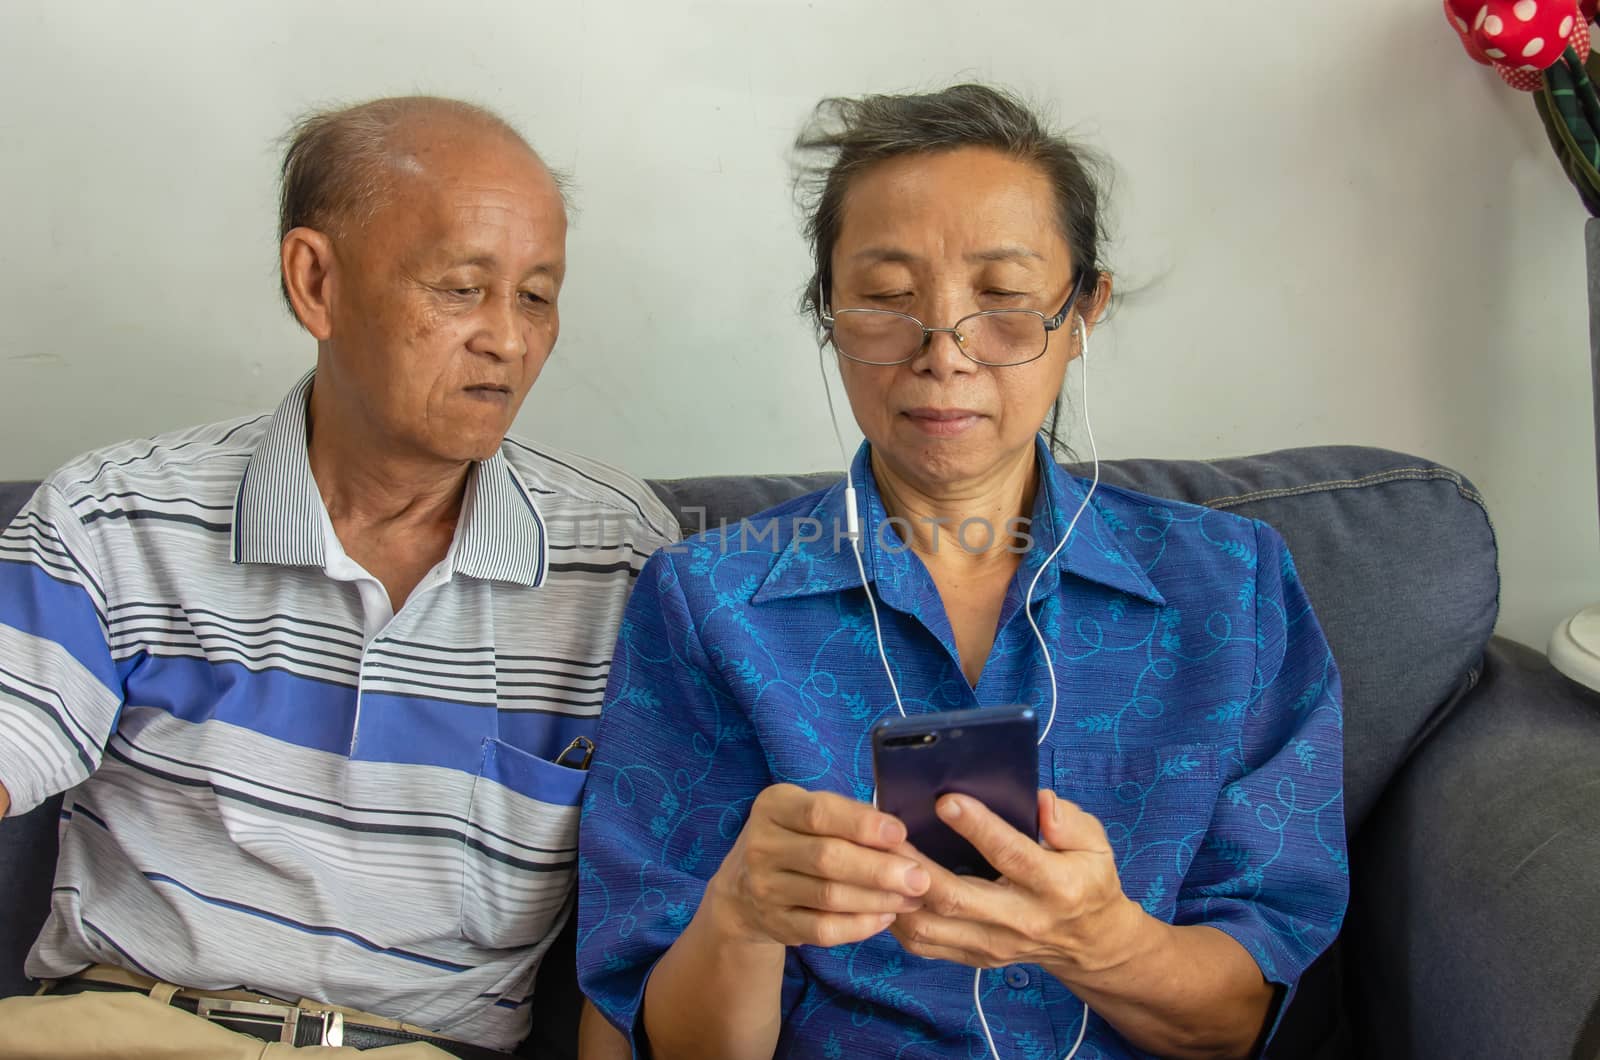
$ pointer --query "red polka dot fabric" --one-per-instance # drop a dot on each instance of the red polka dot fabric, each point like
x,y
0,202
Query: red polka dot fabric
x,y
1521,38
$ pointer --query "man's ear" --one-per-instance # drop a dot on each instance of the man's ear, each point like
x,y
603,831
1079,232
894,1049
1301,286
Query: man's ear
x,y
306,257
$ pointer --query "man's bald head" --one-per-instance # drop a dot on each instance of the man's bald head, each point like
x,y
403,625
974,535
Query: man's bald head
x,y
341,166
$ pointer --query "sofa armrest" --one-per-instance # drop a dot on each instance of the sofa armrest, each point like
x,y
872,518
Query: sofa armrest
x,y
1475,913
27,871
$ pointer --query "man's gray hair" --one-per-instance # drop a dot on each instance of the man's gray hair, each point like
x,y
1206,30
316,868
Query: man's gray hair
x,y
338,164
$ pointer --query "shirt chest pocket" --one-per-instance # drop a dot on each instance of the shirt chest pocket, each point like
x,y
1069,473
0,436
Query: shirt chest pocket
x,y
1155,804
521,846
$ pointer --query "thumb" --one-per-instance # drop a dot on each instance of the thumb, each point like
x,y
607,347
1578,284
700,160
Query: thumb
x,y
1064,826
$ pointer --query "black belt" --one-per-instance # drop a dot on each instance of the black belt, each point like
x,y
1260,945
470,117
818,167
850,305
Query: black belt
x,y
277,1021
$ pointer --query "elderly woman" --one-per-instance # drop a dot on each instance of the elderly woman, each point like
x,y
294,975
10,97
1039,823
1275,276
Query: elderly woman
x,y
739,894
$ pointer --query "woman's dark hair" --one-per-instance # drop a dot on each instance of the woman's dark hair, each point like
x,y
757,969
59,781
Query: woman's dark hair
x,y
848,136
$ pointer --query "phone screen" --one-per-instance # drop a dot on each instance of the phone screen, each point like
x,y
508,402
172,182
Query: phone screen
x,y
989,753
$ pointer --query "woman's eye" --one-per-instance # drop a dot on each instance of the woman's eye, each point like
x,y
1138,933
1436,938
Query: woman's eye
x,y
995,292
888,296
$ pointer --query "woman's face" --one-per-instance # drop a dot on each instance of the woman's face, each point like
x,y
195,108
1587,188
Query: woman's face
x,y
940,236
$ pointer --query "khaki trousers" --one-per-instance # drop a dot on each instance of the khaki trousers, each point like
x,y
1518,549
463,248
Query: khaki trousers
x,y
106,1025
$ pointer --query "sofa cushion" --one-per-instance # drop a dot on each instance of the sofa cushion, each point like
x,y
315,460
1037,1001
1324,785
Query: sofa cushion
x,y
13,495
1397,554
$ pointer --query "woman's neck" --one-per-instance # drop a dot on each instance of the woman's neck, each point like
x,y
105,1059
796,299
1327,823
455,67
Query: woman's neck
x,y
972,523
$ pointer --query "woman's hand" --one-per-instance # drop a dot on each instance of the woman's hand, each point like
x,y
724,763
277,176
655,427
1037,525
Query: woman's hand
x,y
814,869
1059,906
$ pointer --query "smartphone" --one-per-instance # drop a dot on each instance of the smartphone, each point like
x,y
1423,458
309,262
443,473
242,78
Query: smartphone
x,y
989,753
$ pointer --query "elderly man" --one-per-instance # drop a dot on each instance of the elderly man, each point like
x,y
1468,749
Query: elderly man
x,y
319,685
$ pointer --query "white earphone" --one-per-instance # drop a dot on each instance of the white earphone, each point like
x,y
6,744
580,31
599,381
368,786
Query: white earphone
x,y
853,532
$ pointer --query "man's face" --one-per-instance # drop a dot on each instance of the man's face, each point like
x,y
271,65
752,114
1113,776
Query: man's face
x,y
443,306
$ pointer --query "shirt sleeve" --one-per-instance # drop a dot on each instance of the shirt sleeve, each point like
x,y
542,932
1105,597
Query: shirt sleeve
x,y
1272,870
60,693
676,769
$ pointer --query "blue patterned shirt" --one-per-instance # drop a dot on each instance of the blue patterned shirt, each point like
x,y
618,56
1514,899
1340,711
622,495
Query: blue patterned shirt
x,y
1199,719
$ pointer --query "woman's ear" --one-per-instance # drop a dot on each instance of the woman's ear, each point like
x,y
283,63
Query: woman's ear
x,y
1099,302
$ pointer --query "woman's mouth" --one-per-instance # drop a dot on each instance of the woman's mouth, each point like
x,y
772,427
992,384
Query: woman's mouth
x,y
942,422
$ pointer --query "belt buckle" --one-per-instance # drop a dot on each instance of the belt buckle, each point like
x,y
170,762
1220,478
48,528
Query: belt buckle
x,y
270,1014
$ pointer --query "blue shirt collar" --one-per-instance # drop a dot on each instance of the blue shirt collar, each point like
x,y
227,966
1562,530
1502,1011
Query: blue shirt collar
x,y
276,515
812,564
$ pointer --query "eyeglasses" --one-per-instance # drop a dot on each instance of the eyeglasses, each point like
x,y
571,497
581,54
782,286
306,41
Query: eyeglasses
x,y
1000,338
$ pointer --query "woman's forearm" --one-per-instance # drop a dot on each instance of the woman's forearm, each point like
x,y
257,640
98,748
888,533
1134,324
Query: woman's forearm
x,y
1178,991
715,993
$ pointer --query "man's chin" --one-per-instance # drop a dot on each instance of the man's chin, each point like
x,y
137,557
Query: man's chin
x,y
463,446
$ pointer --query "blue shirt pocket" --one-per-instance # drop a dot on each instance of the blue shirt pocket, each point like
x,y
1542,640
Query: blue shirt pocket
x,y
1155,804
521,847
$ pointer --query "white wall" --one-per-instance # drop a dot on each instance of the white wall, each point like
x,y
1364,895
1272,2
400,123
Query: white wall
x,y
1344,230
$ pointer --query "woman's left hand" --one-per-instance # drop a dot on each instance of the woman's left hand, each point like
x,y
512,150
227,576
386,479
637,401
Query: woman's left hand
x,y
1059,906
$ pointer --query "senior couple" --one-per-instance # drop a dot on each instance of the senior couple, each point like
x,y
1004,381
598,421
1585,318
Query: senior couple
x,y
322,686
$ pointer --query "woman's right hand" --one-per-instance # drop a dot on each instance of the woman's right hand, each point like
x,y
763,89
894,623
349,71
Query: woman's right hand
x,y
813,868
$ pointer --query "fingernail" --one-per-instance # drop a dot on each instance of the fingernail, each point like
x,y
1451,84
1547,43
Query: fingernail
x,y
949,809
1055,809
918,879
889,832
885,920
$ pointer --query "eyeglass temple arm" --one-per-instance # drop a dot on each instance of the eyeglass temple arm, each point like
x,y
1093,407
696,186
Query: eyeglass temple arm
x,y
1072,299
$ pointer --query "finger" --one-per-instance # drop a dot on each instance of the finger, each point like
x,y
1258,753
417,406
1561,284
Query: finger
x,y
975,945
807,927
830,814
842,861
1064,826
987,903
797,890
1014,855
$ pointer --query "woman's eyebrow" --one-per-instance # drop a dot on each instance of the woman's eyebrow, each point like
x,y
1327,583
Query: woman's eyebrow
x,y
892,255
1009,252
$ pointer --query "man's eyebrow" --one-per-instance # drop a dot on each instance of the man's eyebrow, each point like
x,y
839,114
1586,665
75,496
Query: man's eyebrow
x,y
487,261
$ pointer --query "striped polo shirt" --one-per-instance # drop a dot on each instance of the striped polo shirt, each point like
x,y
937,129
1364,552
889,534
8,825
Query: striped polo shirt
x,y
271,781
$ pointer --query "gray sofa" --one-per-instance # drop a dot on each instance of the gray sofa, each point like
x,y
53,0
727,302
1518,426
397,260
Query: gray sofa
x,y
1472,769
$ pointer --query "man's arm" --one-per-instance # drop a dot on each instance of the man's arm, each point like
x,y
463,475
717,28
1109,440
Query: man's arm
x,y
60,691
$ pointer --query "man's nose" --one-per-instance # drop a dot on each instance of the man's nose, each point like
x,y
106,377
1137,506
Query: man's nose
x,y
504,332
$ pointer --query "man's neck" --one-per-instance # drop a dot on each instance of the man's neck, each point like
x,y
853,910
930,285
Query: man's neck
x,y
369,484
987,505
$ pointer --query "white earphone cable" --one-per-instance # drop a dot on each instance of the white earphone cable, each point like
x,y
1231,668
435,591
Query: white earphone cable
x,y
1049,660
852,517
853,532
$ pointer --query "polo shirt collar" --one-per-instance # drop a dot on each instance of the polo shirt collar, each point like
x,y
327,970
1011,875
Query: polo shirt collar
x,y
278,511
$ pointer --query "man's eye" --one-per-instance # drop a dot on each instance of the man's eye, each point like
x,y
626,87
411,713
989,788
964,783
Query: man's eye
x,y
534,299
464,292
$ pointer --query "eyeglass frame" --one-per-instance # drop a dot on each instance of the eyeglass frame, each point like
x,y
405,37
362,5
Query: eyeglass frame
x,y
1054,323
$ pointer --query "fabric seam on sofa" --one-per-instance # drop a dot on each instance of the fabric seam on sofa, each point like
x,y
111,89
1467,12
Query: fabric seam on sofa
x,y
1399,474
1380,478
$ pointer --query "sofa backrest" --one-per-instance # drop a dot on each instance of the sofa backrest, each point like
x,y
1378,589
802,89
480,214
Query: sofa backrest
x,y
1397,554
